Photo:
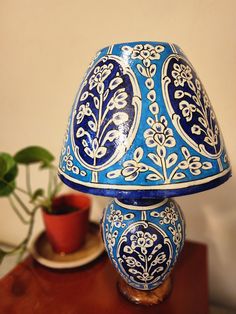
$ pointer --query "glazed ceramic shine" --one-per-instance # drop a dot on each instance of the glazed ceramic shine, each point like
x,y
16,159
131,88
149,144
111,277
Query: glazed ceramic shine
x,y
143,241
142,124
141,129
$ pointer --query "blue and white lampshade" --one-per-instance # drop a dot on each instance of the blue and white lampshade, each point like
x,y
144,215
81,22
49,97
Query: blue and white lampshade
x,y
142,124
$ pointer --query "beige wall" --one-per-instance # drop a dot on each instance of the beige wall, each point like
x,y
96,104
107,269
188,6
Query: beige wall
x,y
45,47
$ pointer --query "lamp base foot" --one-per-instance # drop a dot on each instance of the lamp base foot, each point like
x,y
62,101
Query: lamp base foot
x,y
150,297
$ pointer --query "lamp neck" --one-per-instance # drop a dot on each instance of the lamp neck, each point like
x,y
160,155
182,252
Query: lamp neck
x,y
144,202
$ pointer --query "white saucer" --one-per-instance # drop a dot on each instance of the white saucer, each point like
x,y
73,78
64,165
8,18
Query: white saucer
x,y
44,254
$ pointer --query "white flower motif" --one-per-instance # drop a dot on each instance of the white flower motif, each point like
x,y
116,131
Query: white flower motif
x,y
84,110
132,168
199,104
146,52
196,129
69,162
131,261
211,137
118,101
159,134
111,239
168,215
116,218
142,240
161,258
198,84
145,276
68,159
206,99
193,163
99,76
96,151
182,74
144,254
177,234
187,109
119,118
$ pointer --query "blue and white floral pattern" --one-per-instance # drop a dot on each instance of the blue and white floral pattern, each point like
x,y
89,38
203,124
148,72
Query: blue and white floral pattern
x,y
142,127
105,115
143,244
143,123
190,107
70,166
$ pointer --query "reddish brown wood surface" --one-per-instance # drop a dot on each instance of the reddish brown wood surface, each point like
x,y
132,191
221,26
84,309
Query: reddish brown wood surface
x,y
32,288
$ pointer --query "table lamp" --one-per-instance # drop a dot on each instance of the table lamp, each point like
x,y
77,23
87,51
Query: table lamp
x,y
142,130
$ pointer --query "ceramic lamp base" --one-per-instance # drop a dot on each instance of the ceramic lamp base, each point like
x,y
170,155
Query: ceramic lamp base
x,y
143,239
150,297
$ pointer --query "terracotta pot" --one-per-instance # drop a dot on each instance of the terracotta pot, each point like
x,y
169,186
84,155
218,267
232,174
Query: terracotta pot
x,y
67,231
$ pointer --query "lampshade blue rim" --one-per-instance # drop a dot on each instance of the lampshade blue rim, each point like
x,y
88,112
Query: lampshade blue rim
x,y
137,194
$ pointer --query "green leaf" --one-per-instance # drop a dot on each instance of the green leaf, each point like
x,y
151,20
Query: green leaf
x,y
46,165
33,154
11,174
8,167
3,167
7,188
37,193
8,173
2,255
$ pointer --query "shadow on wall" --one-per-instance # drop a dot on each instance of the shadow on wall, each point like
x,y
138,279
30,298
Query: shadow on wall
x,y
211,218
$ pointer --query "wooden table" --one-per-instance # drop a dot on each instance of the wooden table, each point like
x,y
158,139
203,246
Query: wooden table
x,y
33,289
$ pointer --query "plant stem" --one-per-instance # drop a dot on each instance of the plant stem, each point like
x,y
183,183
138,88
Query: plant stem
x,y
156,172
56,189
21,203
28,184
55,180
24,243
164,168
104,129
99,115
16,188
50,183
17,211
173,173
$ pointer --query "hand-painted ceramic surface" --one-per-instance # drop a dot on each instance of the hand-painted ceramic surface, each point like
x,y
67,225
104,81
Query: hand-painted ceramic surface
x,y
143,241
142,124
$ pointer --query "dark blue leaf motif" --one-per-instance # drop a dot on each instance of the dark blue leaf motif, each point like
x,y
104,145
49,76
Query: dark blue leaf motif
x,y
190,107
144,253
104,113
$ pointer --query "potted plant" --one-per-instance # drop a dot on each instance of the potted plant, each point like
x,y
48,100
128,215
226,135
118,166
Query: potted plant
x,y
67,222
65,217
